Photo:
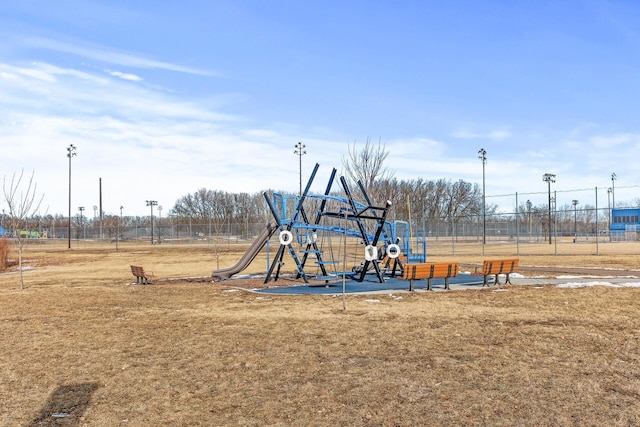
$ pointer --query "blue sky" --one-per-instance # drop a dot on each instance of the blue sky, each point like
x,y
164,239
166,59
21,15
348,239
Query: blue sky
x,y
163,98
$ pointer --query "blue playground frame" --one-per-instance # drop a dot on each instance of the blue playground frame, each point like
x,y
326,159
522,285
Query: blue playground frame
x,y
368,223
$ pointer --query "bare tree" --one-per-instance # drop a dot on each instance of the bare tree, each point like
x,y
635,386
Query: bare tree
x,y
22,203
367,166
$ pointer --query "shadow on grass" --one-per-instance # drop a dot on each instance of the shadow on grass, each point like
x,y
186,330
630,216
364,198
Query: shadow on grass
x,y
66,405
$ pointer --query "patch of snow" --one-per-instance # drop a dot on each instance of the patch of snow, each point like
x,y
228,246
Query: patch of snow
x,y
372,300
598,283
594,277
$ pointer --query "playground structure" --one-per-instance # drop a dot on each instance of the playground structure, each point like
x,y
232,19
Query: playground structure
x,y
309,224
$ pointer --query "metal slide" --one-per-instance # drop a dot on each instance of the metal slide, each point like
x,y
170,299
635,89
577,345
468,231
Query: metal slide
x,y
249,256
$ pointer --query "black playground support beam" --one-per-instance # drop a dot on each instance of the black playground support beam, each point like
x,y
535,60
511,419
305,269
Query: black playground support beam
x,y
397,263
358,217
316,221
299,211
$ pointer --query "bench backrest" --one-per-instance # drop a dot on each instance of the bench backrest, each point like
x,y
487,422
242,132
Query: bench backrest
x,y
137,270
500,266
430,270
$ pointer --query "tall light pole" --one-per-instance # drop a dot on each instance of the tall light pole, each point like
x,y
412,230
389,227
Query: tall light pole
x,y
549,178
609,191
529,212
613,190
483,156
152,203
159,223
300,151
71,152
81,209
95,212
118,229
575,220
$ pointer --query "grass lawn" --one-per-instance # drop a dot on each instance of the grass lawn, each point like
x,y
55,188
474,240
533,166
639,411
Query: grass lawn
x,y
81,346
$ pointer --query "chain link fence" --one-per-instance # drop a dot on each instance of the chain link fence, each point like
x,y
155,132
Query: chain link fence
x,y
509,230
575,216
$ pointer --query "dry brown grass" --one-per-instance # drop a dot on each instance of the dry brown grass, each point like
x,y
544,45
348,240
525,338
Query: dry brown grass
x,y
82,341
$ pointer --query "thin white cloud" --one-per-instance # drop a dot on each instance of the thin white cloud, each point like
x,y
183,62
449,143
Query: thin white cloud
x,y
125,76
10,71
611,141
494,135
539,154
44,86
499,134
107,55
408,147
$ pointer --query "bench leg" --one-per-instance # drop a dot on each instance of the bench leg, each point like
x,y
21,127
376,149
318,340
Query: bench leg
x,y
446,283
410,285
497,282
508,280
428,284
485,282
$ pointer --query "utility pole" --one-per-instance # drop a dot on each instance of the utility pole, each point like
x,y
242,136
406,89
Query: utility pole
x,y
71,152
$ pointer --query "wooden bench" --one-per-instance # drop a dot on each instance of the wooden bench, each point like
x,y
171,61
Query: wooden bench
x,y
142,277
430,270
499,266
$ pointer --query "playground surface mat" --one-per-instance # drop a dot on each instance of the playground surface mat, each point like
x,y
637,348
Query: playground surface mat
x,y
464,281
333,287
